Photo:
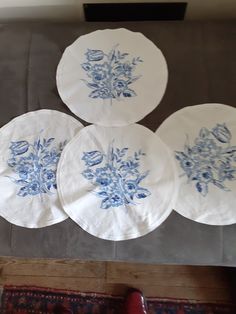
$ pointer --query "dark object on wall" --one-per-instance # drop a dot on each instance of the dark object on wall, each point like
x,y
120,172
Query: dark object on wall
x,y
134,11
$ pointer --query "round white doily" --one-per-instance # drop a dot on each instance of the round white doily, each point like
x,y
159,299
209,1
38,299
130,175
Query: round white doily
x,y
30,147
203,140
112,77
116,183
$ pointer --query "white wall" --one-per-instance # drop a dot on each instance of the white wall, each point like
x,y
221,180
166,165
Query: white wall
x,y
73,10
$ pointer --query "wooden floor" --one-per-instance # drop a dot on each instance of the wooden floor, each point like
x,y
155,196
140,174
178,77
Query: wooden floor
x,y
188,282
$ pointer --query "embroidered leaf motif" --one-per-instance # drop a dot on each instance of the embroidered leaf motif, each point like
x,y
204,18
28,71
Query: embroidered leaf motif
x,y
187,149
49,141
129,93
110,74
204,132
92,85
105,203
220,185
20,182
143,176
23,192
202,188
229,150
116,176
35,165
211,160
95,94
142,193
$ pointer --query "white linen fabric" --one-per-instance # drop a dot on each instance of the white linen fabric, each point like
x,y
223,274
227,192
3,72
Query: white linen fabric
x,y
30,147
117,183
203,140
112,77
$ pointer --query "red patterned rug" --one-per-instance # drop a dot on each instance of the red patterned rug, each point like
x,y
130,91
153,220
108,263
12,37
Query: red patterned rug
x,y
31,300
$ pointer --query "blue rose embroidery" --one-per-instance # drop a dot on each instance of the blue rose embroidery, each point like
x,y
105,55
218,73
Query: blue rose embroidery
x,y
112,76
35,165
211,160
115,176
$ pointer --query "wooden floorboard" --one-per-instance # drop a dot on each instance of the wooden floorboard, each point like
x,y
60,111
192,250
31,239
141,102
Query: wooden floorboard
x,y
177,276
59,268
208,284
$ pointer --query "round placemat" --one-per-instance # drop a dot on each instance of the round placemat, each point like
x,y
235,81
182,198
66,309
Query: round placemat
x,y
30,147
116,182
203,140
112,77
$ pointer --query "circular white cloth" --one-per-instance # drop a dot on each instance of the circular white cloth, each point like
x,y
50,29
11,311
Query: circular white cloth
x,y
112,77
30,147
203,140
116,183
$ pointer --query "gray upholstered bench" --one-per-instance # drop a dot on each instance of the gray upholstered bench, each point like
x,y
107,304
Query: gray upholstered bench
x,y
202,68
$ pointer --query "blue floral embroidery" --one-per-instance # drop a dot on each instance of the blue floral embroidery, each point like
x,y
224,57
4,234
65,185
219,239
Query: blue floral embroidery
x,y
212,159
35,164
116,177
112,76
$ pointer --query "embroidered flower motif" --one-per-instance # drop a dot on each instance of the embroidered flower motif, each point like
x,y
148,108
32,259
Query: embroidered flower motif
x,y
123,69
99,72
86,66
103,176
35,164
94,55
88,174
210,160
19,148
120,85
92,158
222,133
115,176
112,77
227,172
114,199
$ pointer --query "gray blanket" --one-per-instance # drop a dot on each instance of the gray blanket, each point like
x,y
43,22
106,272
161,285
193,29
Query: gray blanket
x,y
202,68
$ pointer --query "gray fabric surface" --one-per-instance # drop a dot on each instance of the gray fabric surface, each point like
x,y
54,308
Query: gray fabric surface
x,y
202,68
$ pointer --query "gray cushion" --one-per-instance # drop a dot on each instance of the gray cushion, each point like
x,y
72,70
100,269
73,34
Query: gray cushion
x,y
202,68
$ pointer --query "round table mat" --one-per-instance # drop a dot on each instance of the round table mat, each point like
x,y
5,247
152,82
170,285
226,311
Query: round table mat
x,y
30,147
112,77
203,140
117,183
